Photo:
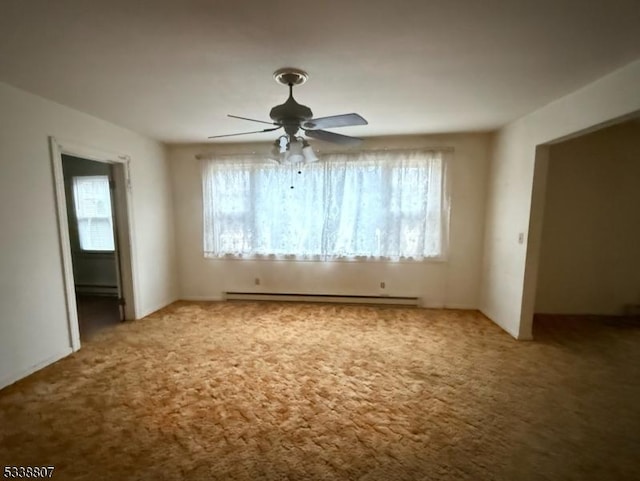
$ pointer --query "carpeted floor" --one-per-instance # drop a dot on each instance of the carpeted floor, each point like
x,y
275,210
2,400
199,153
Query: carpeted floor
x,y
253,391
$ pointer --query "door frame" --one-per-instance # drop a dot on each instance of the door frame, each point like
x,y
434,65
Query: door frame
x,y
124,227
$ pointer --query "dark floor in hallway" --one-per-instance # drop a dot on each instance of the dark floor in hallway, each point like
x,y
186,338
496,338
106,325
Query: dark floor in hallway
x,y
96,313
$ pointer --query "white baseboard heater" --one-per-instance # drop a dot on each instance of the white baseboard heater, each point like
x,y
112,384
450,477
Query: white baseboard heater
x,y
330,298
97,290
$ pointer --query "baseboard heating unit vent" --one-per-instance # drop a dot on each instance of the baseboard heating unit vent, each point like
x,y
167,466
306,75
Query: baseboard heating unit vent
x,y
264,296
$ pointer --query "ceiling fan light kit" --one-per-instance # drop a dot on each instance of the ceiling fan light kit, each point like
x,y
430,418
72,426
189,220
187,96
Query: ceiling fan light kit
x,y
308,153
285,151
293,117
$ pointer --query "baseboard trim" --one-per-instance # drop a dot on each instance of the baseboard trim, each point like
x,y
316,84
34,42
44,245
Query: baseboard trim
x,y
202,298
426,304
462,307
13,378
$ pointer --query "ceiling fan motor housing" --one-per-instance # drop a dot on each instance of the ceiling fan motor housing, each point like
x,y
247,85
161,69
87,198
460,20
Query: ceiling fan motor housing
x,y
290,115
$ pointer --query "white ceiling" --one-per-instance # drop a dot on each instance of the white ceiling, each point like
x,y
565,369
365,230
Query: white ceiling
x,y
173,69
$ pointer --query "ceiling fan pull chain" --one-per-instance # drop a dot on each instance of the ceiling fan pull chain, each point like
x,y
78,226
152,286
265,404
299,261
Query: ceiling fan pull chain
x,y
291,172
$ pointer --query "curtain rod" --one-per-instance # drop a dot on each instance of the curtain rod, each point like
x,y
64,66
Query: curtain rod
x,y
209,155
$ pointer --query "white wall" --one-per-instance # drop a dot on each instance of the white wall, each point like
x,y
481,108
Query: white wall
x,y
514,206
590,251
454,283
33,324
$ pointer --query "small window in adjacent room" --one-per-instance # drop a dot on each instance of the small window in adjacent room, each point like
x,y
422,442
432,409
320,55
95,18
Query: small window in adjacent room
x,y
92,203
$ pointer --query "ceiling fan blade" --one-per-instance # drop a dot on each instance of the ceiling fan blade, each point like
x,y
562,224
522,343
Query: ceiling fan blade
x,y
345,120
245,133
333,137
251,120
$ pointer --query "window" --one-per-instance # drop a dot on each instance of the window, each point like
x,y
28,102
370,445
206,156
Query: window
x,y
387,205
92,203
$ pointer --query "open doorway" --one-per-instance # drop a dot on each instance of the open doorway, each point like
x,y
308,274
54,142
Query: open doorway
x,y
91,216
92,193
588,262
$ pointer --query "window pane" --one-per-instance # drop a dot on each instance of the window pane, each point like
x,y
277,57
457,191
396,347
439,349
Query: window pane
x,y
374,204
92,202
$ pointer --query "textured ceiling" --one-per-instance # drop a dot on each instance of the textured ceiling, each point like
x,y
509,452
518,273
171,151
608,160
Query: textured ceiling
x,y
172,70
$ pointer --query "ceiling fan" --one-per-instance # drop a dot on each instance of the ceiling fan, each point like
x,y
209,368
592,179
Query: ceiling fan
x,y
293,117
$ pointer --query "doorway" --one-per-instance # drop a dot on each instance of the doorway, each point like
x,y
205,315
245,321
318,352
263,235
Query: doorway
x,y
534,300
91,218
92,193
589,258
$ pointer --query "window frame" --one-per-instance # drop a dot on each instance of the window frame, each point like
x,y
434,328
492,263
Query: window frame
x,y
93,253
445,215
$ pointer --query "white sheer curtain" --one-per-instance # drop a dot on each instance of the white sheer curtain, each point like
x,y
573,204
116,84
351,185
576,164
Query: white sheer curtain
x,y
389,205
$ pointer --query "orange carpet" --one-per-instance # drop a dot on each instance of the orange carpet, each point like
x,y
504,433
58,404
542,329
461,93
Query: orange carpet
x,y
268,391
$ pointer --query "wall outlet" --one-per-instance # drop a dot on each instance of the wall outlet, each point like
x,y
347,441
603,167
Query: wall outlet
x,y
383,285
257,281
521,238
